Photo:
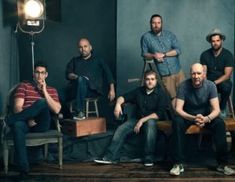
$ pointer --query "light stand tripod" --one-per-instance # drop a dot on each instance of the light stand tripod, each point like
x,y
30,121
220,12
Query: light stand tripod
x,y
32,33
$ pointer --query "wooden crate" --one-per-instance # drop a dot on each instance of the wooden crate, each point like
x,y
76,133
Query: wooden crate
x,y
84,127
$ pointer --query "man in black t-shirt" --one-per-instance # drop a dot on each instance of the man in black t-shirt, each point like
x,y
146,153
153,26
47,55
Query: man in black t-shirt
x,y
150,102
218,63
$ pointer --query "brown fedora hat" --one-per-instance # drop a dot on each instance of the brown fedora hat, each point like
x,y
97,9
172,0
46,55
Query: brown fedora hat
x,y
215,31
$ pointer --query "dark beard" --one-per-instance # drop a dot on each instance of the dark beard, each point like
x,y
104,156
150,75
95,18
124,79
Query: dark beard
x,y
217,49
156,31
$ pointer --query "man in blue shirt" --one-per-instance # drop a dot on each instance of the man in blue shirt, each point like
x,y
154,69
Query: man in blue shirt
x,y
163,46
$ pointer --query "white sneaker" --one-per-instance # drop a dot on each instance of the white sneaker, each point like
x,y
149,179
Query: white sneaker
x,y
177,169
103,161
226,170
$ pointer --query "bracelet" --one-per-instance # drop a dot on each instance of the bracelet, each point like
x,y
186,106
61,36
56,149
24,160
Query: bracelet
x,y
209,119
164,55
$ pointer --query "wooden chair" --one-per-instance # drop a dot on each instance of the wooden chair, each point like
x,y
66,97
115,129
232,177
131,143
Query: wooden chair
x,y
32,139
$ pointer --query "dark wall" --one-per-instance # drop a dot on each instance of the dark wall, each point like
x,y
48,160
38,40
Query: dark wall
x,y
8,59
95,20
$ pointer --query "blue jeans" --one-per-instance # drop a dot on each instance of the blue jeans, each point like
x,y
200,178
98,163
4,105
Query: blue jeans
x,y
19,127
83,91
149,129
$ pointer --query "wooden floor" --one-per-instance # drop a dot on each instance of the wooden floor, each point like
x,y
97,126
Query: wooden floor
x,y
123,172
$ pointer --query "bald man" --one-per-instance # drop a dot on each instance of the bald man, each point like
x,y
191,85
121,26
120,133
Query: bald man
x,y
86,75
197,104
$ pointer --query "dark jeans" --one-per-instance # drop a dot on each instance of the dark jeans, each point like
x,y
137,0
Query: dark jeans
x,y
217,127
83,91
149,129
19,127
224,89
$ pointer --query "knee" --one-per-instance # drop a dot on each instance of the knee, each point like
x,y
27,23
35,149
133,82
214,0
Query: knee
x,y
150,126
151,123
81,80
225,87
219,123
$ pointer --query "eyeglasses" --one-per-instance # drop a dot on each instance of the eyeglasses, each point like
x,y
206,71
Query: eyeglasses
x,y
40,72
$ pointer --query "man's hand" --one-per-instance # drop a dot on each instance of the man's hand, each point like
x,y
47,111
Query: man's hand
x,y
72,76
31,123
43,86
117,110
138,126
201,120
159,57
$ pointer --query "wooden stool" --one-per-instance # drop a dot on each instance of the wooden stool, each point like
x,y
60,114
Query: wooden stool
x,y
88,111
230,108
94,101
148,63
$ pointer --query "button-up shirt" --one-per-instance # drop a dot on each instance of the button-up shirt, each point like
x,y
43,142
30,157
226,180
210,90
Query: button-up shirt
x,y
147,104
93,68
166,41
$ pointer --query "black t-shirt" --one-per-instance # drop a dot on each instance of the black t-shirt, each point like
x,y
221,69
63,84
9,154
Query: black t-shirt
x,y
216,65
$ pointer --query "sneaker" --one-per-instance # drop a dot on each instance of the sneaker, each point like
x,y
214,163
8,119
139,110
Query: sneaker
x,y
177,169
148,163
226,170
80,116
103,161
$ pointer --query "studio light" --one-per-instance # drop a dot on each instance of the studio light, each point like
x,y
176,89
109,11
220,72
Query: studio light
x,y
31,15
33,9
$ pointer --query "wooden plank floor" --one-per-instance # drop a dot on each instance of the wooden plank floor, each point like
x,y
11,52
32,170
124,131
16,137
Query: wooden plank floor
x,y
122,172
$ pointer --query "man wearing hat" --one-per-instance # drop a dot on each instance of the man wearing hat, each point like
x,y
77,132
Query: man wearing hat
x,y
218,63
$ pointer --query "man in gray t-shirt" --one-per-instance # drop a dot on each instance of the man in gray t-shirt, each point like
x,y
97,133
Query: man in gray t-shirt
x,y
197,100
197,103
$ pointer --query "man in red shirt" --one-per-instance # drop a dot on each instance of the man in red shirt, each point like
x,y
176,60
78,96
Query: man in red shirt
x,y
33,102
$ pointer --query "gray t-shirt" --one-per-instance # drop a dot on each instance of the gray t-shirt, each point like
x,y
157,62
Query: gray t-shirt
x,y
197,100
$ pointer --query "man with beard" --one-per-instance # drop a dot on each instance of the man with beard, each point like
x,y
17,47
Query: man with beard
x,y
33,103
197,103
150,107
86,74
218,63
163,46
